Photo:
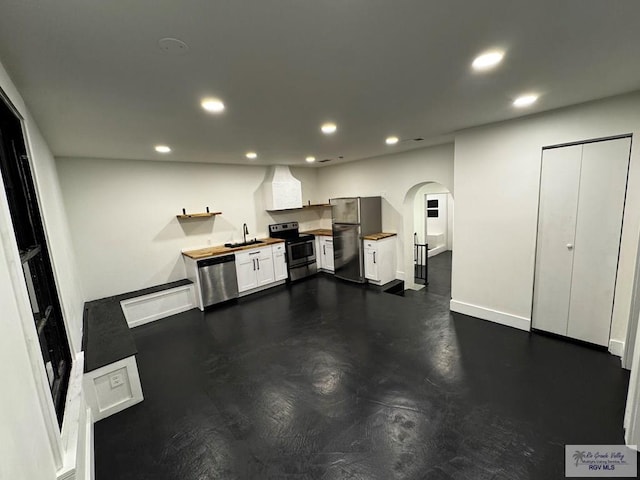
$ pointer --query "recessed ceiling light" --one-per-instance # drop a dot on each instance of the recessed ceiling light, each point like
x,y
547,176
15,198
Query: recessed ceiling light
x,y
487,60
525,100
212,105
328,128
310,159
391,140
251,155
173,46
162,149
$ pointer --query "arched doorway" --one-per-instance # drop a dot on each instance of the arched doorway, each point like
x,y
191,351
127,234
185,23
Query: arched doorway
x,y
428,220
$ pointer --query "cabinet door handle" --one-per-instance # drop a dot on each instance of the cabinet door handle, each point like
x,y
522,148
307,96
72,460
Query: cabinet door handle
x,y
254,263
374,257
324,251
570,246
258,262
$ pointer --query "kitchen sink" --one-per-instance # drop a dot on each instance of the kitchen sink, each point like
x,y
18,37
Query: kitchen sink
x,y
243,244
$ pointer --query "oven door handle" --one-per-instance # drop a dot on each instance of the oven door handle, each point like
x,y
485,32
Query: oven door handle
x,y
298,265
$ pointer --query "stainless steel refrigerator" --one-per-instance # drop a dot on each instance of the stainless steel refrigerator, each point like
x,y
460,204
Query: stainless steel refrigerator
x,y
353,218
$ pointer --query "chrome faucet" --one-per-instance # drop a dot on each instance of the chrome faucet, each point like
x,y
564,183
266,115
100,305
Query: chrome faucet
x,y
245,232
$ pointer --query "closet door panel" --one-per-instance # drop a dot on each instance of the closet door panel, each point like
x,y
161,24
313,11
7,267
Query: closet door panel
x,y
601,196
556,231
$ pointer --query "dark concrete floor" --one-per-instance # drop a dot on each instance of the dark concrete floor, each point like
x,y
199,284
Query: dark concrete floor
x,y
330,380
439,274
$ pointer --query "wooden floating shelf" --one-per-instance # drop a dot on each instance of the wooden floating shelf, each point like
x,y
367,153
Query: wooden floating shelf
x,y
198,215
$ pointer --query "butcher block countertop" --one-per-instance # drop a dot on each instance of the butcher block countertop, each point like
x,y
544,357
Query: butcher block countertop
x,y
221,250
323,232
378,236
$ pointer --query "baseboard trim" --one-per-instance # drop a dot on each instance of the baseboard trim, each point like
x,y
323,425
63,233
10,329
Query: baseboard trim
x,y
149,308
616,347
436,251
507,319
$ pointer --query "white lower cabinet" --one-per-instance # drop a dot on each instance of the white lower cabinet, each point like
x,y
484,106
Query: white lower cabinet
x,y
246,270
254,268
279,262
318,247
264,264
324,253
371,270
380,260
327,252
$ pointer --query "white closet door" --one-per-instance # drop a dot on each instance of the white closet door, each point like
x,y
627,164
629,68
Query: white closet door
x,y
603,182
556,232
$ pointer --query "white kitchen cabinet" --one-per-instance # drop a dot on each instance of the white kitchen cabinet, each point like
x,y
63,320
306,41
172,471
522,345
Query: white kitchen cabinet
x,y
264,267
318,247
371,271
582,194
279,262
246,270
380,260
254,268
324,253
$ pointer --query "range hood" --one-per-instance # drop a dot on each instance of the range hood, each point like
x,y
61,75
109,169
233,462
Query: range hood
x,y
281,190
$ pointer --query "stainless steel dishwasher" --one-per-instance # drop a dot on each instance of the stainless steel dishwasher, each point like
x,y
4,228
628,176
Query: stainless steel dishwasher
x,y
218,280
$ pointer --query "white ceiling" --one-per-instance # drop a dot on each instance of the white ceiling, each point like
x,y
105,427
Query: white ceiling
x,y
98,85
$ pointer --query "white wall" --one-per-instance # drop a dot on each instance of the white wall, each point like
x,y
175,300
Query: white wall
x,y
450,215
29,436
123,215
396,177
496,197
632,408
24,443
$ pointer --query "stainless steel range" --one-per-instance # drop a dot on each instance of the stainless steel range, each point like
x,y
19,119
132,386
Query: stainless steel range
x,y
301,254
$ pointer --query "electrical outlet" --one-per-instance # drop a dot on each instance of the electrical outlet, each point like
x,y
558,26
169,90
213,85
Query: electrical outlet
x,y
116,380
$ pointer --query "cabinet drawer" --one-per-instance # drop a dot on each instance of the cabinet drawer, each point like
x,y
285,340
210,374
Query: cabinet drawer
x,y
370,244
247,254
